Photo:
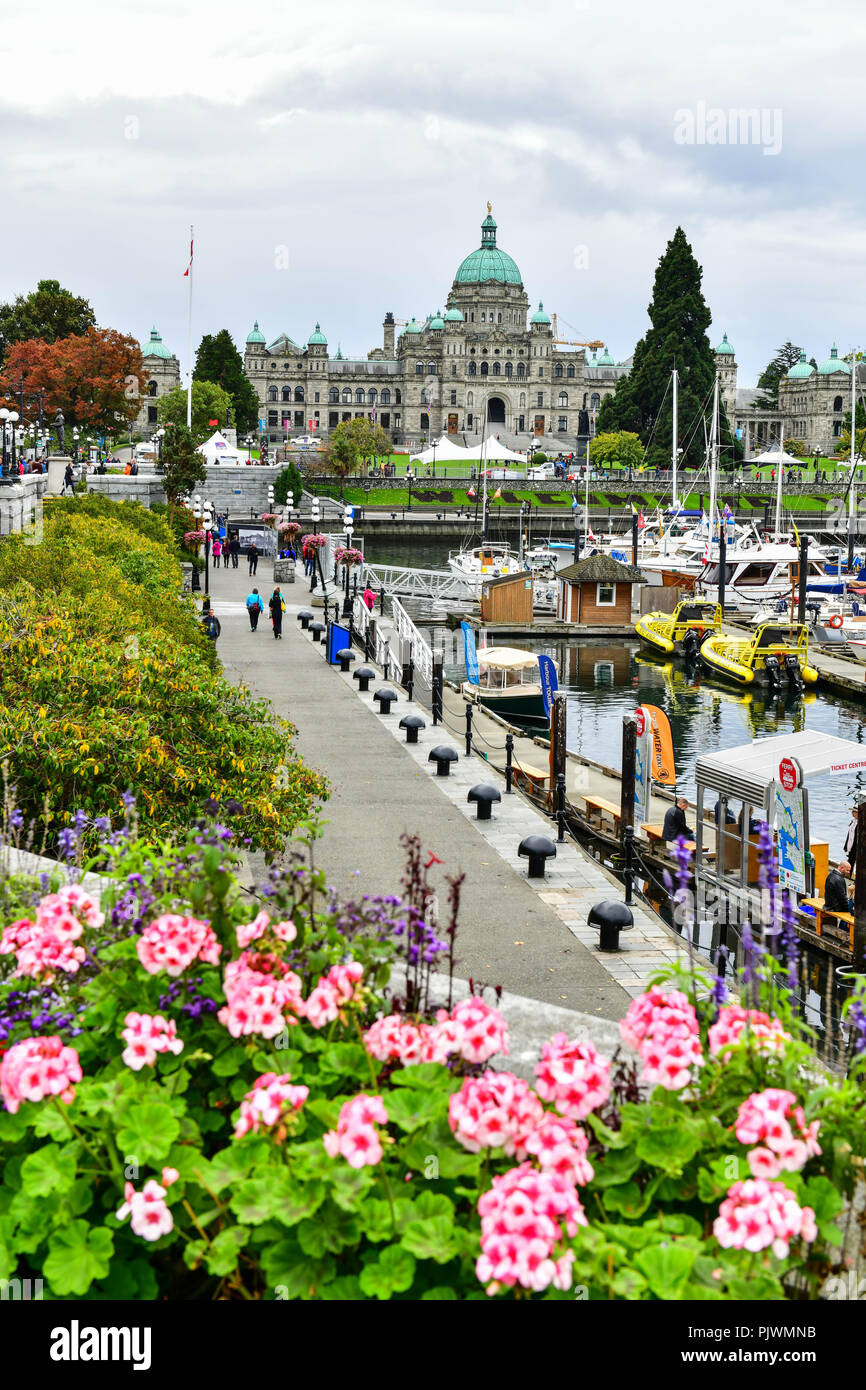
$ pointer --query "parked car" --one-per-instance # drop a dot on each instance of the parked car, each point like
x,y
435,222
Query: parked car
x,y
541,472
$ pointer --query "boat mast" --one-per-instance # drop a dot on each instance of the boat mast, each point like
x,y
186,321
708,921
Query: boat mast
x,y
486,532
851,503
586,499
714,461
779,472
675,499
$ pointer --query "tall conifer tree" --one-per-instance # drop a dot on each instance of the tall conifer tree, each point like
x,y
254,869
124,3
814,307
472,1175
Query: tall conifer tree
x,y
677,337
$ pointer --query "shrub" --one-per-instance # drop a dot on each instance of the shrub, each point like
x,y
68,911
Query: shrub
x,y
109,685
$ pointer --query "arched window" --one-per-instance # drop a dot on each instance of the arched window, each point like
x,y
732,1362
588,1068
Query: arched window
x,y
498,318
272,393
419,368
521,369
563,398
485,368
333,395
522,400
483,316
398,396
359,395
431,368
372,396
473,368
470,398
837,403
386,396
509,368
594,401
347,395
570,370
425,420
151,388
496,369
286,393
557,371
299,393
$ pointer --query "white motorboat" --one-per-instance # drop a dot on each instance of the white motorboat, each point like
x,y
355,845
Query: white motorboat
x,y
490,560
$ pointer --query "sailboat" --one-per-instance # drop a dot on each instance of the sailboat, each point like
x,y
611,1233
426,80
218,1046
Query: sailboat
x,y
478,564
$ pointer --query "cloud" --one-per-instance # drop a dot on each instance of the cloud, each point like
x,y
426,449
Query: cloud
x,y
367,140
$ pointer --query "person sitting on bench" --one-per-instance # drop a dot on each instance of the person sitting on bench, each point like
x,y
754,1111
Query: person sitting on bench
x,y
837,897
675,822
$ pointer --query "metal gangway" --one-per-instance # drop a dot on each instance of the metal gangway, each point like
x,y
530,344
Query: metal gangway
x,y
403,581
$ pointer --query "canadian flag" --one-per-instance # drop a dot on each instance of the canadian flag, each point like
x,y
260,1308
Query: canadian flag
x,y
189,267
641,521
497,493
589,535
706,554
471,492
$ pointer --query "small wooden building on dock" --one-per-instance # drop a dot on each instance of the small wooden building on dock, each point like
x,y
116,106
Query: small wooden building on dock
x,y
507,599
596,592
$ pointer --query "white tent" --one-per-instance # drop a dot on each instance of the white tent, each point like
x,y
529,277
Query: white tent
x,y
442,448
218,450
774,456
494,452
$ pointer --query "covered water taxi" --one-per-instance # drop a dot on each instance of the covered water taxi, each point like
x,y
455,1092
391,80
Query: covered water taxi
x,y
777,653
682,631
509,684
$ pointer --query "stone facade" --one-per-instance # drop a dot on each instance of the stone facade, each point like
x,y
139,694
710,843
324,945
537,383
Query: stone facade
x,y
163,371
813,403
484,353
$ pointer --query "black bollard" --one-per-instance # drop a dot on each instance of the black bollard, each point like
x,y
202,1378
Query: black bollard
x,y
468,729
509,757
802,575
560,808
722,558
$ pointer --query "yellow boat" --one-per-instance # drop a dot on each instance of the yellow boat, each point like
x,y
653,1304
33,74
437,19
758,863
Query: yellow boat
x,y
778,652
682,631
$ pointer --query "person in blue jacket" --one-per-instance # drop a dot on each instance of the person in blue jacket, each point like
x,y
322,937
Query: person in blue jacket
x,y
254,608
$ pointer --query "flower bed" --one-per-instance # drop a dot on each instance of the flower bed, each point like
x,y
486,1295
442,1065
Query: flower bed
x,y
205,1100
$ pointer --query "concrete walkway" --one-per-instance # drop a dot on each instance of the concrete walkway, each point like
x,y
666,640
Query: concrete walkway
x,y
509,934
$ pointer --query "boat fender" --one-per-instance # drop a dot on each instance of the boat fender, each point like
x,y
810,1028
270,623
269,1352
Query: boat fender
x,y
836,620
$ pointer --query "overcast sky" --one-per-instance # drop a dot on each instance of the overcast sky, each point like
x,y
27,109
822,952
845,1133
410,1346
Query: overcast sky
x,y
336,160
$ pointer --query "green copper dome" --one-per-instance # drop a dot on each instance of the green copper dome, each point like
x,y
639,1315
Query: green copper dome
x,y
453,315
256,336
156,347
800,369
488,262
540,316
834,363
318,338
725,347
414,327
436,325
605,360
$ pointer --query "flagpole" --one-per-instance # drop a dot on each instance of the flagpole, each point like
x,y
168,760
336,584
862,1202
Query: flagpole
x,y
189,340
586,499
714,460
674,444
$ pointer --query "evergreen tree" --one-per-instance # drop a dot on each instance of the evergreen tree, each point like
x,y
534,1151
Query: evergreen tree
x,y
768,382
677,337
183,465
219,361
209,402
49,312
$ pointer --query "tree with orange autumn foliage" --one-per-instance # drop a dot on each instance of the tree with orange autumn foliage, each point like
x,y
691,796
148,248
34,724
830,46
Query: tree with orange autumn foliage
x,y
96,378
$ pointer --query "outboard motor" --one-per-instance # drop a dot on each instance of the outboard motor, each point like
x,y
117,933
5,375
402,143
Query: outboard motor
x,y
691,645
792,671
774,675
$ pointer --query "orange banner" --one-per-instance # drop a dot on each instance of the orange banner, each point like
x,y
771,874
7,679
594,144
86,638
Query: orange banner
x,y
663,769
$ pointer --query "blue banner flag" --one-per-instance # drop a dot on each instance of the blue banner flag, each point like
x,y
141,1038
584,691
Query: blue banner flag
x,y
549,682
470,655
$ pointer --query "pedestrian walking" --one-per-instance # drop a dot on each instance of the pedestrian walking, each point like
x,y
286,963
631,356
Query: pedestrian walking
x,y
226,549
68,480
235,547
210,623
254,608
369,598
278,608
217,551
253,557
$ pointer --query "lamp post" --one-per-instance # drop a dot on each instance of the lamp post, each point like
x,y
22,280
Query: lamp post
x,y
315,517
348,526
207,526
4,468
13,421
160,436
409,485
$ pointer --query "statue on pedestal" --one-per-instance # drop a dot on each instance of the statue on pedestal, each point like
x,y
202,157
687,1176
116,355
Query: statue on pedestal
x,y
60,425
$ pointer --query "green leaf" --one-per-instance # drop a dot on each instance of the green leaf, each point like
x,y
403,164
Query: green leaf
x,y
77,1254
826,1202
432,1239
148,1132
440,1294
229,1062
237,1161
667,1268
410,1109
345,1289
392,1272
128,1281
615,1167
254,1200
221,1255
14,1127
424,1076
292,1275
670,1148
49,1169
331,1230
349,1185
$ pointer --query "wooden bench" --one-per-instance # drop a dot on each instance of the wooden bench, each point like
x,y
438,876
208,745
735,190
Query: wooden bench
x,y
536,777
597,807
655,835
847,918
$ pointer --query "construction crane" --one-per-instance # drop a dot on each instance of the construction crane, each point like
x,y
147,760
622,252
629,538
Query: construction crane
x,y
595,344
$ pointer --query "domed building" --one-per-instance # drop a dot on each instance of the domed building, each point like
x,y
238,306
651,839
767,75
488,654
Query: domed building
x,y
813,402
163,375
486,356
